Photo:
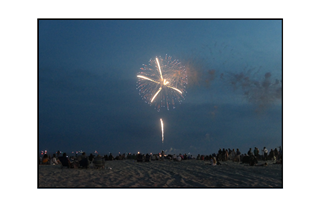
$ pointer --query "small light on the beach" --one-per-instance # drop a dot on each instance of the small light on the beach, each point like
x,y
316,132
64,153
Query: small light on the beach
x,y
138,152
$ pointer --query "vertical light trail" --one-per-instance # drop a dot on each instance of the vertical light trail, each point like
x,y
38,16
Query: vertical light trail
x,y
159,69
162,130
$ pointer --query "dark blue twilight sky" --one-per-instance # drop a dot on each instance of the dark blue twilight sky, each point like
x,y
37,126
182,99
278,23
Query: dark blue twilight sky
x,y
87,85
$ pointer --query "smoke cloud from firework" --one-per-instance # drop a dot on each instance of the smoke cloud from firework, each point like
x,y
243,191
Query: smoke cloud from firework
x,y
261,92
205,65
215,63
199,72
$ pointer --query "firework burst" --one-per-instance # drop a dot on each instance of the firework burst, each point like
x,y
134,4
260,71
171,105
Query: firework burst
x,y
162,82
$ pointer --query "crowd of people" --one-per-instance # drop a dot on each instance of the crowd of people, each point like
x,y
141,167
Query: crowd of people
x,y
84,161
228,154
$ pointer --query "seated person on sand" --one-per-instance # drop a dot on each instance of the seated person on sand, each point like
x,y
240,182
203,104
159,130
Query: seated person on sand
x,y
45,159
174,157
202,157
238,153
153,157
106,157
84,161
139,157
147,158
72,160
232,155
156,157
271,155
143,157
224,155
236,158
251,159
111,157
91,157
213,161
178,158
54,160
185,157
99,161
276,153
65,161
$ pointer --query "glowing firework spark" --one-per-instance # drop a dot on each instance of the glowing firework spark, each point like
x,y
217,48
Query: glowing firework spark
x,y
162,130
162,82
140,76
155,95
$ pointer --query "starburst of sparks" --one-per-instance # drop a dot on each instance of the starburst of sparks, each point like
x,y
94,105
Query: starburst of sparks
x,y
164,77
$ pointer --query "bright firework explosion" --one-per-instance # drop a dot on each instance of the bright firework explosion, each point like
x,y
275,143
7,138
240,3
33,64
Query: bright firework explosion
x,y
162,82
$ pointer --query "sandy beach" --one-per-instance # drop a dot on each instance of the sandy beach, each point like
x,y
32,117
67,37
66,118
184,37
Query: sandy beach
x,y
187,173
